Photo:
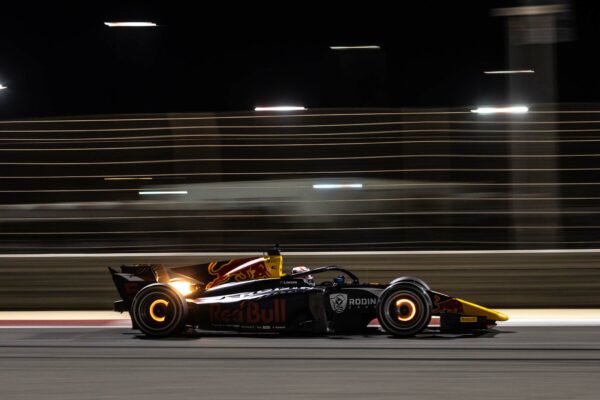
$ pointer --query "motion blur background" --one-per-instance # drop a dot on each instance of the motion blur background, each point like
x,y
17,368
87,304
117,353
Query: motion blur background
x,y
116,143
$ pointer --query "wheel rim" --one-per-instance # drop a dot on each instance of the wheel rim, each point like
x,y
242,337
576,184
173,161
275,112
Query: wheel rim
x,y
157,312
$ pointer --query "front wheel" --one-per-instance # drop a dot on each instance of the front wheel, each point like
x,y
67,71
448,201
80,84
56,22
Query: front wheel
x,y
158,311
411,279
404,309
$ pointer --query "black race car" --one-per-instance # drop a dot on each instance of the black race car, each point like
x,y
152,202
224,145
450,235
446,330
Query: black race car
x,y
253,294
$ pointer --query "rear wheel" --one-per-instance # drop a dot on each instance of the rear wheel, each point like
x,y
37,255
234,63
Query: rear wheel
x,y
404,309
159,311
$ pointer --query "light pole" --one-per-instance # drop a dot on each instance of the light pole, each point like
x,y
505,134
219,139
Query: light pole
x,y
531,35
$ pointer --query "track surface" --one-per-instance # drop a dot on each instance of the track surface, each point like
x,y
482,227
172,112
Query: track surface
x,y
115,363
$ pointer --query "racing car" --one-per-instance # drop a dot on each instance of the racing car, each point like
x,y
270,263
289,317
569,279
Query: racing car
x,y
254,295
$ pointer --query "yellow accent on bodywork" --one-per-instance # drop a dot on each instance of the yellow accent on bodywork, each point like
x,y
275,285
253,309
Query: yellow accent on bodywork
x,y
475,309
468,319
274,266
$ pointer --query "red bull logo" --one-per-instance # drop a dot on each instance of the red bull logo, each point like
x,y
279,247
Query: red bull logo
x,y
238,270
249,313
131,288
451,305
254,271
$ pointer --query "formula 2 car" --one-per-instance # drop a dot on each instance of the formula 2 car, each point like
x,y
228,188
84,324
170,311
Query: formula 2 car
x,y
254,295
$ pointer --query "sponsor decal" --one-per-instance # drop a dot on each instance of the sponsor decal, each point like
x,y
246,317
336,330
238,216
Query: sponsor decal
x,y
468,319
450,305
338,302
249,313
131,288
237,270
362,302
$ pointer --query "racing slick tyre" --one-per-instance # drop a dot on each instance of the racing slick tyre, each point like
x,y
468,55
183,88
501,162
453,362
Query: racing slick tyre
x,y
158,310
411,279
404,309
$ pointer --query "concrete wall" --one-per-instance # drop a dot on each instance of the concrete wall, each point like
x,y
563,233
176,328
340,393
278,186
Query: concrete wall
x,y
498,279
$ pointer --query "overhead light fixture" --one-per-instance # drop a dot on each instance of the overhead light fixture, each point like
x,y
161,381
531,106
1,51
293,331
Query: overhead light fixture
x,y
510,71
338,186
129,24
153,192
280,108
501,110
369,47
2,87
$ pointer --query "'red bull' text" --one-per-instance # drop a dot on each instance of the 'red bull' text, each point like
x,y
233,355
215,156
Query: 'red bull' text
x,y
249,313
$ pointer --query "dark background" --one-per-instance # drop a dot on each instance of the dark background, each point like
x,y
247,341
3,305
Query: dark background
x,y
433,178
58,58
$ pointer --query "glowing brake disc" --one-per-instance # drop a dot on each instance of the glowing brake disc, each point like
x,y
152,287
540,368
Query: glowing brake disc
x,y
412,310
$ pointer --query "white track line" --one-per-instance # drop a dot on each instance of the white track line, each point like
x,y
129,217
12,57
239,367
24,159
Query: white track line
x,y
552,317
549,323
65,327
67,319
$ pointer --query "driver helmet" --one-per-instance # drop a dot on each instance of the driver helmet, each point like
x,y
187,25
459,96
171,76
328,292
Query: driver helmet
x,y
308,278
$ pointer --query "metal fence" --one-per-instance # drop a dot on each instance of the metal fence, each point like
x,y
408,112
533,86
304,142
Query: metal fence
x,y
310,180
319,180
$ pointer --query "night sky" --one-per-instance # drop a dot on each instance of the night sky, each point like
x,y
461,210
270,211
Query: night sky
x,y
58,58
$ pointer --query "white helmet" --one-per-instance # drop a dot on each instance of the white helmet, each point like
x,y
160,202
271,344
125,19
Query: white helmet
x,y
308,278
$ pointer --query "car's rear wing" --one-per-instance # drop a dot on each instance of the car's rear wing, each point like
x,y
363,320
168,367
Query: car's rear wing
x,y
132,278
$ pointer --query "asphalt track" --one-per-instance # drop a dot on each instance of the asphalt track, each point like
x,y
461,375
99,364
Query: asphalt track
x,y
116,363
